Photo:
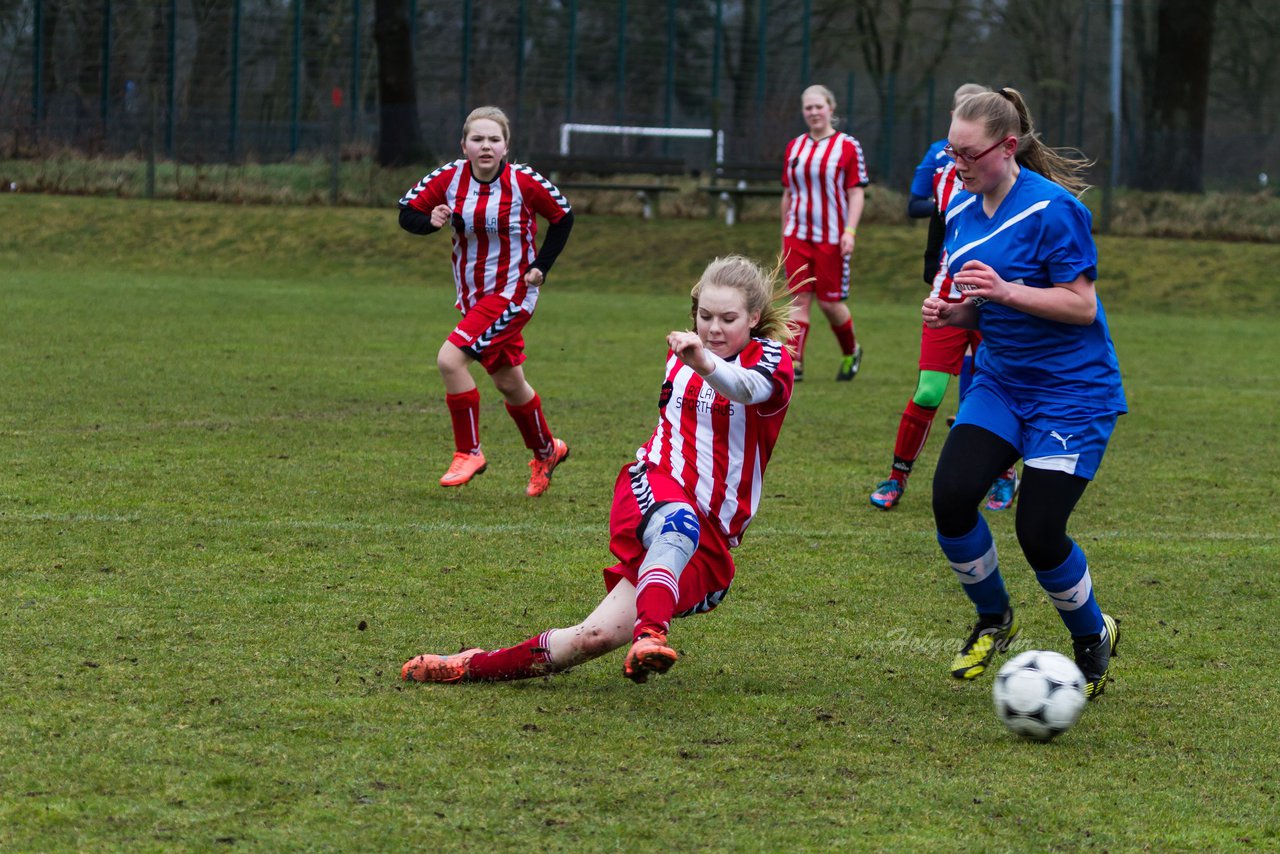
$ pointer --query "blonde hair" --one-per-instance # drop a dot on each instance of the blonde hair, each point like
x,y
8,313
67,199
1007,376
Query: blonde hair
x,y
1004,113
828,96
964,90
762,289
493,114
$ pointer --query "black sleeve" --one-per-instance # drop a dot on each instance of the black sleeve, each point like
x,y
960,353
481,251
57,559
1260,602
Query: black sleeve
x,y
919,207
553,243
415,221
933,249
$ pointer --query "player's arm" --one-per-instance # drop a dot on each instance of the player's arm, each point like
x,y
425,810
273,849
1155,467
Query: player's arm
x,y
933,247
422,209
919,207
920,203
857,197
745,385
415,221
1074,302
938,313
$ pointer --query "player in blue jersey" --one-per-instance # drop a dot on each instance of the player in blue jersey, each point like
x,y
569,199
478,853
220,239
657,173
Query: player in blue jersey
x,y
921,203
944,353
1047,387
917,418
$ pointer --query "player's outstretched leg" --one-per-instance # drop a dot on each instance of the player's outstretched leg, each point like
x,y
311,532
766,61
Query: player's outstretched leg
x,y
438,668
606,629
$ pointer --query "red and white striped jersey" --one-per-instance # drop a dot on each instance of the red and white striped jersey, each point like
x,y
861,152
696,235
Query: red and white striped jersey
x,y
717,448
945,185
819,174
493,224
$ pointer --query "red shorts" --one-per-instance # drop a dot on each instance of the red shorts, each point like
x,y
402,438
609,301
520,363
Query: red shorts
x,y
943,349
639,491
491,332
825,265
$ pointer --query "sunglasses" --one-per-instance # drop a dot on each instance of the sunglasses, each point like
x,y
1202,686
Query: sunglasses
x,y
959,156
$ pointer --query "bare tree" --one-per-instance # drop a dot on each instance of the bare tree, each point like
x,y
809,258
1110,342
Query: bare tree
x,y
1245,86
1174,54
399,134
902,43
1045,33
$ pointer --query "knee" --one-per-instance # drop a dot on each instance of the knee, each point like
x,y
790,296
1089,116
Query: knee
x,y
955,505
682,521
931,388
675,524
835,311
1043,539
450,359
949,494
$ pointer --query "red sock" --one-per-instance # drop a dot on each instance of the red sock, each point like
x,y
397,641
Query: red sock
x,y
522,661
464,412
533,427
656,595
802,335
844,334
913,431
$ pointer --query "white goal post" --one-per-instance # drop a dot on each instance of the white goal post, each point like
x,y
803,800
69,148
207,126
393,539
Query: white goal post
x,y
569,128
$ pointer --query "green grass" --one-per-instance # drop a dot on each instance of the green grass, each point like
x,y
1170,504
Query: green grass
x,y
220,535
358,181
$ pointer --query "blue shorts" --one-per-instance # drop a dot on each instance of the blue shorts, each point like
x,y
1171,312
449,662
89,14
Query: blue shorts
x,y
1050,436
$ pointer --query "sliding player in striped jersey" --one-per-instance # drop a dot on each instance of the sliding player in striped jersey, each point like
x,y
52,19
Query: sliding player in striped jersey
x,y
688,497
822,198
490,205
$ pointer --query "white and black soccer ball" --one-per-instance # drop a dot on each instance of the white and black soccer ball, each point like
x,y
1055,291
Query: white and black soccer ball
x,y
1039,694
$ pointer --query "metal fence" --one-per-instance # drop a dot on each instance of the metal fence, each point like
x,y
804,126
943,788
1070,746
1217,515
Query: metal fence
x,y
265,80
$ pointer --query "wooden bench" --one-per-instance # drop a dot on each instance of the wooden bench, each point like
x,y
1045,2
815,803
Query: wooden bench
x,y
733,183
585,173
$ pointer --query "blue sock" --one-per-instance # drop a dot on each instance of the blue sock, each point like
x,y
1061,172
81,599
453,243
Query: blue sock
x,y
966,375
1071,590
973,558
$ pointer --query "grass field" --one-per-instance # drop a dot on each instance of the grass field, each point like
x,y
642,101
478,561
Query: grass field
x,y
220,536
1250,217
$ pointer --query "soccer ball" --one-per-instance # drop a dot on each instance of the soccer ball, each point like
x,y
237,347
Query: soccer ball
x,y
1039,694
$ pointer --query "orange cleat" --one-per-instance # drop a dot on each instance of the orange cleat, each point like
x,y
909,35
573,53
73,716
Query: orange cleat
x,y
463,468
541,470
438,668
649,654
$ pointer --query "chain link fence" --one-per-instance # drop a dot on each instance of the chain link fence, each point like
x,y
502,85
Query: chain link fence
x,y
234,81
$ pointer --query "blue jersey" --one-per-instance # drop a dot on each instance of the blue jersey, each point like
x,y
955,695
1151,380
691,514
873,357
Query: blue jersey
x,y
1039,235
934,159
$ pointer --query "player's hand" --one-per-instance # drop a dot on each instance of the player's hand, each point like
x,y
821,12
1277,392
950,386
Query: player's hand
x,y
936,313
979,281
846,244
440,215
533,277
688,348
